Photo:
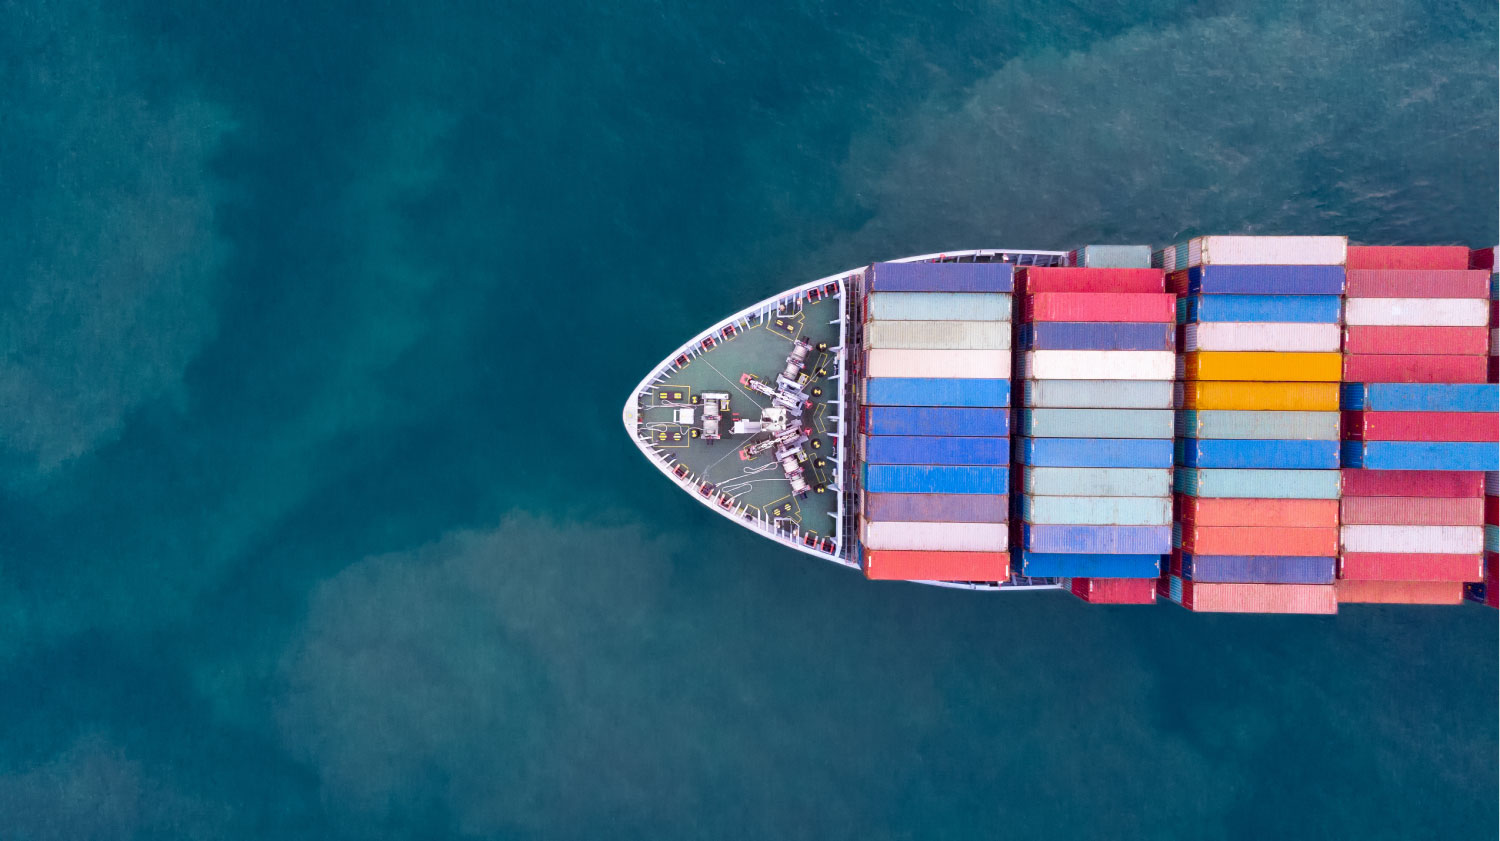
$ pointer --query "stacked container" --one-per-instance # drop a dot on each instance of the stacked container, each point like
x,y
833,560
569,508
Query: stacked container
x,y
934,421
1419,425
1487,591
1257,453
1094,431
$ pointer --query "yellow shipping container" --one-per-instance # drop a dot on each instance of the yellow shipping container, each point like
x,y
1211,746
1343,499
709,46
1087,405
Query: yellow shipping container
x,y
1264,366
1268,397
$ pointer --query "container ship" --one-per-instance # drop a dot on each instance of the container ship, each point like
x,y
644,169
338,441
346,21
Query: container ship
x,y
1257,424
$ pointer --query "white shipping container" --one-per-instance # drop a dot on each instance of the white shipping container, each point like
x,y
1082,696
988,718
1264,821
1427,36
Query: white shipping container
x,y
1097,481
1420,312
1101,364
939,306
1272,336
1096,394
1097,510
939,364
1458,540
1267,251
935,537
938,335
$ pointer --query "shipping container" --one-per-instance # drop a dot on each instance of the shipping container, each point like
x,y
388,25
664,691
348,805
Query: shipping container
x,y
938,335
931,391
936,420
1099,365
1070,564
1091,481
1111,256
1410,566
1414,368
1482,258
936,507
939,277
1429,312
1254,454
1097,510
1261,365
1420,397
939,364
1420,455
1293,513
1421,426
938,306
1378,339
1097,590
1096,423
1097,394
1441,257
1413,283
1435,483
886,565
930,449
1262,397
1271,309
1256,251
936,537
1400,592
1258,280
1099,306
1264,569
1491,509
1261,336
1411,511
1257,484
1124,540
1034,279
942,479
1291,426
1097,335
1260,540
1444,540
1259,598
1093,452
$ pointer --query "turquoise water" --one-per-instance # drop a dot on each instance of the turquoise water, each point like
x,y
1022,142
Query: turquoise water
x,y
317,521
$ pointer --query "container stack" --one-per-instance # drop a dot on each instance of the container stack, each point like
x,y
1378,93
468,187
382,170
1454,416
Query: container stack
x,y
1094,431
935,421
1257,454
1419,425
1487,591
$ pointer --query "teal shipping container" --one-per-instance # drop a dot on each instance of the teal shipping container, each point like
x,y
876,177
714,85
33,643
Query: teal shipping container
x,y
1097,481
1111,257
1287,426
1097,394
1097,510
1235,483
1097,423
939,306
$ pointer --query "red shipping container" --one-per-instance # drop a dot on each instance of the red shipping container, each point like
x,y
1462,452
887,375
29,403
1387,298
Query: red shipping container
x,y
1259,598
1101,306
1174,563
1250,540
1482,258
1388,339
1416,283
1400,592
886,565
1412,368
1115,590
1294,513
1407,257
1491,514
1411,511
1035,279
1409,566
1449,484
1421,426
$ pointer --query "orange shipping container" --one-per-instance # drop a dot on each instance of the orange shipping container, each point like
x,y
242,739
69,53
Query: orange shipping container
x,y
1231,540
1259,598
1253,396
936,566
1263,366
1411,511
1401,592
1292,513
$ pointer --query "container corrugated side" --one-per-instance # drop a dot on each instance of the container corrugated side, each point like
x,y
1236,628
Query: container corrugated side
x,y
934,449
1111,256
1094,393
1097,335
1291,426
1259,598
1421,426
1414,368
1254,454
1093,481
1099,306
1264,569
1097,590
936,508
1263,365
1260,540
941,364
939,537
1269,309
1071,564
938,335
1263,336
1293,513
1264,484
1364,283
1420,455
1035,279
1401,592
1445,540
936,421
1258,280
1268,250
1428,312
1259,396
934,391
898,565
1387,339
1125,540
1410,566
1092,452
1100,365
1420,397
938,306
1441,257
909,478
1434,483
940,277
1096,423
1097,510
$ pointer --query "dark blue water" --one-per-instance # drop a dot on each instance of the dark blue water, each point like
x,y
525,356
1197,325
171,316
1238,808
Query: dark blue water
x,y
316,519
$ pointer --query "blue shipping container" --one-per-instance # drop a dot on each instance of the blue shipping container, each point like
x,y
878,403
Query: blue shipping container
x,y
941,479
913,391
1421,455
1266,280
924,449
1129,540
1097,335
1262,569
1253,453
1304,309
1084,565
1093,452
941,277
1420,397
922,420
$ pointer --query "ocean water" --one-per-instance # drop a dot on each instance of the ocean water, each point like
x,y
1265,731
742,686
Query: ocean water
x,y
317,520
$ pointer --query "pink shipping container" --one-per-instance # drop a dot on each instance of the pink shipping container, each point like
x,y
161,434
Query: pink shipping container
x,y
1115,590
1049,279
1400,592
1410,566
1450,484
1410,511
1442,257
1410,283
1259,598
1414,368
1389,339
